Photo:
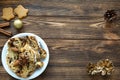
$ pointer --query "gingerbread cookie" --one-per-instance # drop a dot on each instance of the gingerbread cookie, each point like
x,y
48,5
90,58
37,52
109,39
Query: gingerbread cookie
x,y
21,11
8,13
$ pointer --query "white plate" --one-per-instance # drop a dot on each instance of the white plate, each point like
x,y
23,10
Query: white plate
x,y
38,71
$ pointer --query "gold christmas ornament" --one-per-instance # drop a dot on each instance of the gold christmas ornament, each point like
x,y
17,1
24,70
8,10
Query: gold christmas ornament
x,y
18,24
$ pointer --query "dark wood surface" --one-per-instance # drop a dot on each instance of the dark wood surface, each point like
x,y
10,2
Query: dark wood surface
x,y
74,32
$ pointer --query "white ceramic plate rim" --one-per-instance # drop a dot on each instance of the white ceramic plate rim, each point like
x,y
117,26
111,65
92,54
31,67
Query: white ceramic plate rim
x,y
38,71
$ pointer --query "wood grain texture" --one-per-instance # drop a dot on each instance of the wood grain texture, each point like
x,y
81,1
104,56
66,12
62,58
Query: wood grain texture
x,y
65,7
69,58
75,33
68,28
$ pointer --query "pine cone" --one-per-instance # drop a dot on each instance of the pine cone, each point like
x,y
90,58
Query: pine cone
x,y
110,15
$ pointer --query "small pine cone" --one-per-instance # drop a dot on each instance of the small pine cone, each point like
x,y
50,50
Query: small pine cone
x,y
110,15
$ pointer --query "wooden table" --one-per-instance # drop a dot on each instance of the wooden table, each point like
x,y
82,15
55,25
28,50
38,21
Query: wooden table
x,y
74,32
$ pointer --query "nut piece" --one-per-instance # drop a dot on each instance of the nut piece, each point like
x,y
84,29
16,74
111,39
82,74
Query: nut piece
x,y
39,64
102,67
23,59
14,49
16,63
43,53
